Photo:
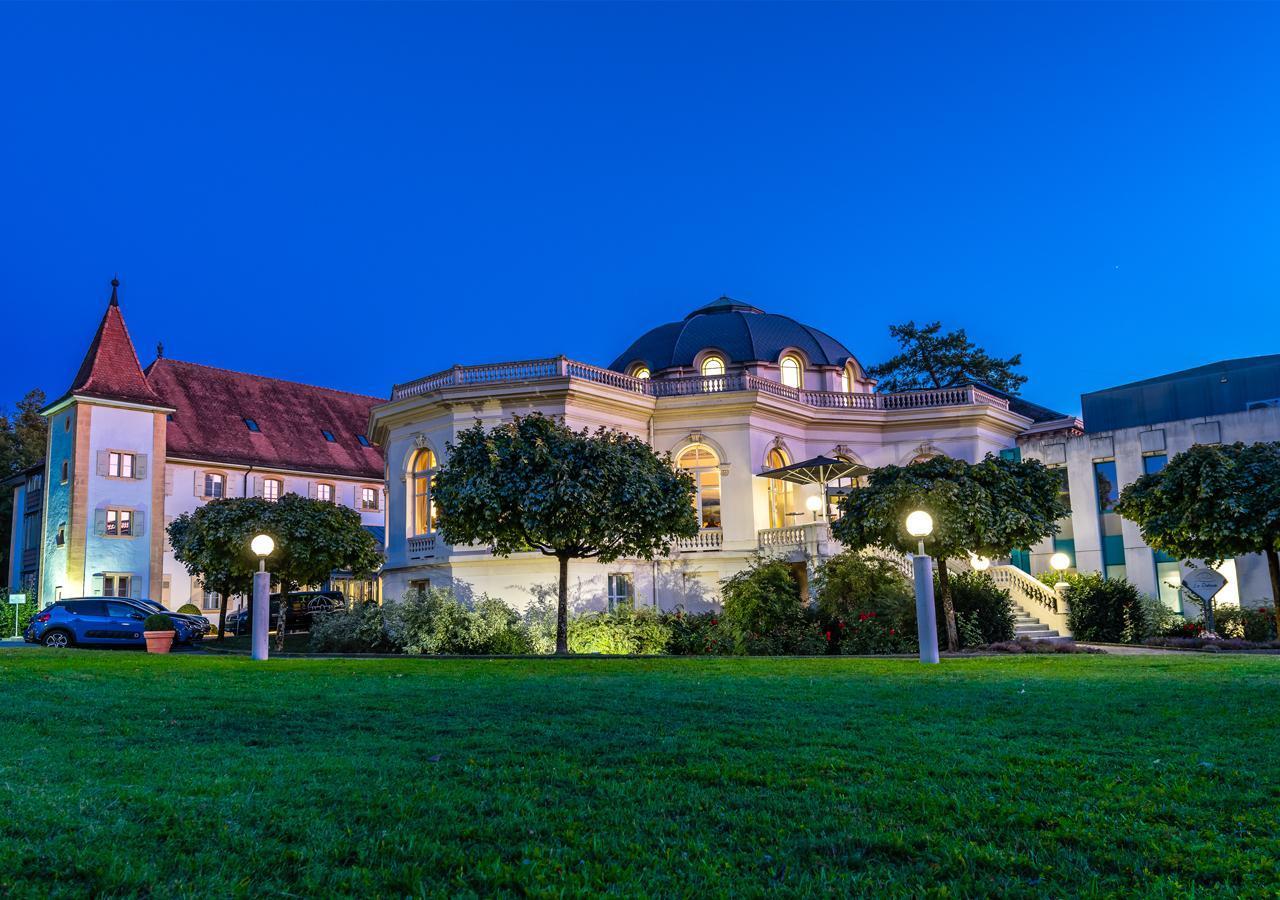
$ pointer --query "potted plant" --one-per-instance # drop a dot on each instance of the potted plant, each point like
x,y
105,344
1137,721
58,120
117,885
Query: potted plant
x,y
158,630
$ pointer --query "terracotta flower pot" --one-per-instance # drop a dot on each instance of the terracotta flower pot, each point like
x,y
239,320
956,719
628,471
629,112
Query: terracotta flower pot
x,y
158,641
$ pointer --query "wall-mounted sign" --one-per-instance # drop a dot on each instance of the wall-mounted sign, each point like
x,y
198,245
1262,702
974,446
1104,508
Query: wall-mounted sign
x,y
1204,583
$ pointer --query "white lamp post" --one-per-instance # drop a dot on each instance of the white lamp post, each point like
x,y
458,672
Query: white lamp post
x,y
979,563
262,547
813,504
920,525
1060,562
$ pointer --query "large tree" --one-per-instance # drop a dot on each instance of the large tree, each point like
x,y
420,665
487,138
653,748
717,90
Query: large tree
x,y
988,508
313,539
1212,502
23,434
931,359
536,484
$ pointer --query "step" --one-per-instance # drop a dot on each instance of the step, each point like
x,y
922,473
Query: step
x,y
1021,627
1042,635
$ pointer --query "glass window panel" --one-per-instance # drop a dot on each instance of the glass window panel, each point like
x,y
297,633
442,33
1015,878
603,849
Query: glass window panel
x,y
1154,463
1108,486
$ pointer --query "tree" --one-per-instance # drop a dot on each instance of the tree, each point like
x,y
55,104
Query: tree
x,y
212,544
22,444
313,539
933,360
536,484
987,508
1212,502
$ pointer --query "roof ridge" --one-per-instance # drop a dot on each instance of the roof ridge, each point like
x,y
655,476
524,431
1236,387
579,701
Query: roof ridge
x,y
315,387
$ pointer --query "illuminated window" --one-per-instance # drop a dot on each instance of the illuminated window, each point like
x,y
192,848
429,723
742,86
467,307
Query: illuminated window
x,y
120,465
423,510
368,498
712,367
846,378
703,464
791,372
116,585
271,489
782,494
324,492
215,485
119,523
640,372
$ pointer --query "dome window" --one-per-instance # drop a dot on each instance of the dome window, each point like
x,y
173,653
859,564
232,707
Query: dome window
x,y
640,371
846,379
792,372
713,367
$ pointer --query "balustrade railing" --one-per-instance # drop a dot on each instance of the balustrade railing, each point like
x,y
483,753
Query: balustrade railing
x,y
706,539
806,534
687,385
422,546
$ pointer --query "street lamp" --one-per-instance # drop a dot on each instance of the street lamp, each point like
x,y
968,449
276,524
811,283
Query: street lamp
x,y
813,504
1060,562
262,547
979,563
920,526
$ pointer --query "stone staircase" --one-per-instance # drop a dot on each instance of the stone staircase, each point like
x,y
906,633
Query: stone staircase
x,y
1028,626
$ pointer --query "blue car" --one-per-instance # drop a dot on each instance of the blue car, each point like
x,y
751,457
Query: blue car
x,y
98,622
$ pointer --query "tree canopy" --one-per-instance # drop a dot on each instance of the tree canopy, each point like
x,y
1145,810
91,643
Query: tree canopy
x,y
23,434
1211,502
535,484
313,539
988,508
931,359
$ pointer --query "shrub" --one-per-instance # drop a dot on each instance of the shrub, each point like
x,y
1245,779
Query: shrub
x,y
623,632
1257,625
362,629
1100,609
763,607
797,637
429,621
157,622
869,632
1159,618
984,612
696,634
189,609
867,603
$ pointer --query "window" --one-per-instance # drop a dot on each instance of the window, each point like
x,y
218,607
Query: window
x,y
215,485
251,425
1104,476
31,531
120,465
116,585
1108,489
35,482
328,436
364,441
782,511
271,489
424,507
792,372
121,610
1154,462
119,523
846,378
212,600
65,471
368,498
1169,581
324,492
712,367
66,423
61,537
622,591
703,464
641,372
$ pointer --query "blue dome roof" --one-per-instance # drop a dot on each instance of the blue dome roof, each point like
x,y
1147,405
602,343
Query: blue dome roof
x,y
743,333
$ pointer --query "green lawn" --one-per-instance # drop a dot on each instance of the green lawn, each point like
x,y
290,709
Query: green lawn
x,y
213,776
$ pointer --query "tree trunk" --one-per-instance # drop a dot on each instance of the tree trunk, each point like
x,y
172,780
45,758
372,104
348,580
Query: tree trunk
x,y
222,616
948,608
1273,566
280,619
562,608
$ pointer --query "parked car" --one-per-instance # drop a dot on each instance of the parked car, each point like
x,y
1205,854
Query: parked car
x,y
302,608
199,624
101,622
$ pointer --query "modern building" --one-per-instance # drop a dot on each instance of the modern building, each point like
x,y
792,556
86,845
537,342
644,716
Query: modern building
x,y
1137,428
131,449
731,391
27,528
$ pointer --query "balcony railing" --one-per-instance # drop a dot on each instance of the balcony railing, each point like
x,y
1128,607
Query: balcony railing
x,y
560,367
706,539
422,547
804,535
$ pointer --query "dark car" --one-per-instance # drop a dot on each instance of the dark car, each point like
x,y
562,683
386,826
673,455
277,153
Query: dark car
x,y
300,612
200,624
99,622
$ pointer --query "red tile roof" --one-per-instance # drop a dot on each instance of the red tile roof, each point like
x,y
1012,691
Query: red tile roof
x,y
110,370
212,405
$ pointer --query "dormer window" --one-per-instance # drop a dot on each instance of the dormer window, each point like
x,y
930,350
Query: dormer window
x,y
251,425
792,371
712,367
640,371
328,436
364,441
846,382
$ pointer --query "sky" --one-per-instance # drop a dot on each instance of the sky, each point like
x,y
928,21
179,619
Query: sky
x,y
359,195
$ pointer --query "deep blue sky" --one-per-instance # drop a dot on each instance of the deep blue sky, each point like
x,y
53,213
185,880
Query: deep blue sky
x,y
359,195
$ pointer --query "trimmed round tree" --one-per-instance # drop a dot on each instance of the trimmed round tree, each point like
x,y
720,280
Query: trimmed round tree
x,y
212,543
535,484
988,508
1211,502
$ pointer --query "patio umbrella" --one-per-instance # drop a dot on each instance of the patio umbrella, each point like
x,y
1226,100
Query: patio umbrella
x,y
819,470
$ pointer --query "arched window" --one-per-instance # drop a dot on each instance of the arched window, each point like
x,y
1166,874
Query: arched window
x,y
703,464
792,372
640,371
840,488
782,494
712,367
423,510
846,379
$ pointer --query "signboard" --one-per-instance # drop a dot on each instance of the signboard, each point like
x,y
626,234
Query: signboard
x,y
17,599
1204,583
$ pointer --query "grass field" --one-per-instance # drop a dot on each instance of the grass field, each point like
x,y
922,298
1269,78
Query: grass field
x,y
213,776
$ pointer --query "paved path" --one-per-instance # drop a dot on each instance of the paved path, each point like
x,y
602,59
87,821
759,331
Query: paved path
x,y
1132,651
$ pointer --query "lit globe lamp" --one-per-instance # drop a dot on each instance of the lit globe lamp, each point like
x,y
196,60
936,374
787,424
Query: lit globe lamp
x,y
920,526
262,547
1060,562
